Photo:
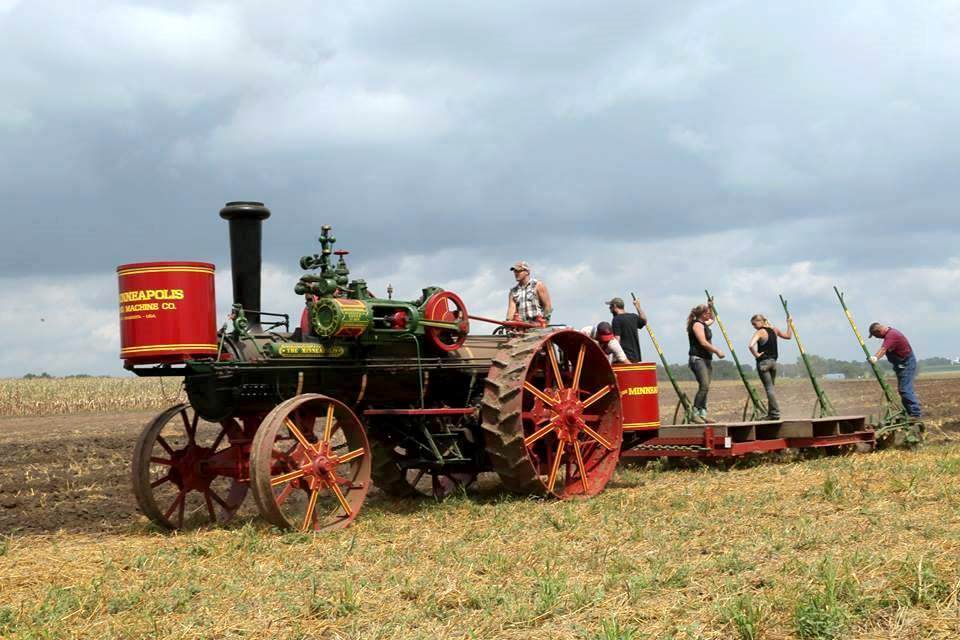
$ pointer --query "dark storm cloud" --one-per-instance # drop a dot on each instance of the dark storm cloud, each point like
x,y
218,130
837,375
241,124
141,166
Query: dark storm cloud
x,y
126,126
751,148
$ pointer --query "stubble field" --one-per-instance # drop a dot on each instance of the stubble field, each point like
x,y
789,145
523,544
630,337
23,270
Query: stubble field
x,y
861,546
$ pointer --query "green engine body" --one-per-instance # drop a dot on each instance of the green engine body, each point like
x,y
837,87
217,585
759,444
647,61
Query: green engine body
x,y
366,351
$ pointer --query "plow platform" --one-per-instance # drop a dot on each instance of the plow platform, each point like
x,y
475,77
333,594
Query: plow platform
x,y
732,439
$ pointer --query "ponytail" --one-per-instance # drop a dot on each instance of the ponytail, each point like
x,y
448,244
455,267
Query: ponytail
x,y
695,314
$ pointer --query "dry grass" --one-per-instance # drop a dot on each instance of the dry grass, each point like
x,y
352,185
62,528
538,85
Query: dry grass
x,y
846,547
865,546
56,396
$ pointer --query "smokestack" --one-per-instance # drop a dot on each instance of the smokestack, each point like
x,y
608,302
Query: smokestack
x,y
246,219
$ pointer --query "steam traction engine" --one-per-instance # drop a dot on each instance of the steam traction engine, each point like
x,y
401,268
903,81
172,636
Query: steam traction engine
x,y
365,388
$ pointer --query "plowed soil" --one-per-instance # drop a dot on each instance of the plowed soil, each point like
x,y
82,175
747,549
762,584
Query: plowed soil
x,y
71,473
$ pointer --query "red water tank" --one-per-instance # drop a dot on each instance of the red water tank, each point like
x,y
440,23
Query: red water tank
x,y
167,312
638,395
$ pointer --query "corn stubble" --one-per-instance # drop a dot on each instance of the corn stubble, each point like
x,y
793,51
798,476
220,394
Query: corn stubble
x,y
860,546
58,396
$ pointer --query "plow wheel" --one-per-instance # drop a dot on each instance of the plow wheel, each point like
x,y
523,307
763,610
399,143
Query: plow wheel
x,y
190,472
551,415
387,474
310,464
393,479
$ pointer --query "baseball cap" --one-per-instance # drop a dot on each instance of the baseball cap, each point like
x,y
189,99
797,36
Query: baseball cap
x,y
604,332
520,266
615,302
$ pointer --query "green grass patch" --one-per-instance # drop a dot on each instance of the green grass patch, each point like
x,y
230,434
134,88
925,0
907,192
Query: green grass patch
x,y
824,612
744,615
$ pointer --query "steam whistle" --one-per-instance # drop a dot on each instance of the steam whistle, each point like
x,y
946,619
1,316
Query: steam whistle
x,y
331,278
342,273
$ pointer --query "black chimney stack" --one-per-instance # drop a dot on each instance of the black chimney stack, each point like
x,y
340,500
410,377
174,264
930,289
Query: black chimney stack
x,y
246,219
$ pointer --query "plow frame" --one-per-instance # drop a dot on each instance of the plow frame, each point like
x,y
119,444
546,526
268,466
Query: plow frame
x,y
736,439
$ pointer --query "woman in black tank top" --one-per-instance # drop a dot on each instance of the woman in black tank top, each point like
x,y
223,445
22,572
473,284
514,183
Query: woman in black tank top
x,y
701,356
763,346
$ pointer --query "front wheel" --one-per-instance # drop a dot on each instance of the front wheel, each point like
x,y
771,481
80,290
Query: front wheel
x,y
310,464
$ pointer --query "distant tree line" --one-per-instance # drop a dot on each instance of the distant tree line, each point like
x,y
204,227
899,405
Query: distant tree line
x,y
727,370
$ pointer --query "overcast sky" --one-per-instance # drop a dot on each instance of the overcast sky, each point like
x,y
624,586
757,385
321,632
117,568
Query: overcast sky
x,y
752,148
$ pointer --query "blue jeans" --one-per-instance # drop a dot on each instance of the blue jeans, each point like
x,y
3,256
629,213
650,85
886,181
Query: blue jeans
x,y
703,371
906,370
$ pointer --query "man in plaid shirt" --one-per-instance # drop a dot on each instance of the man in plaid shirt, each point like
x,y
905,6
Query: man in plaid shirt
x,y
529,300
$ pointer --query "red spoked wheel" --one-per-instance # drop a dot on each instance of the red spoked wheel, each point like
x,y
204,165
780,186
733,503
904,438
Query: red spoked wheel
x,y
310,464
189,472
558,392
446,321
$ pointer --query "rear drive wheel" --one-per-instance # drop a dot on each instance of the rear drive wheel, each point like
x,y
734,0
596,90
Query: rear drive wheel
x,y
551,415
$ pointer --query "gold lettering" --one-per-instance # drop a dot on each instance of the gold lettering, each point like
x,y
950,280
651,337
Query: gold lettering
x,y
142,295
307,350
641,391
130,308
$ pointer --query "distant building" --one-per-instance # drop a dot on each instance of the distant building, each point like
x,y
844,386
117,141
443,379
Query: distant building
x,y
835,376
